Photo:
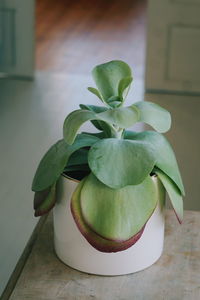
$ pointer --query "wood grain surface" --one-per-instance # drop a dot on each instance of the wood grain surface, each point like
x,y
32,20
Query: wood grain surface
x,y
174,277
74,36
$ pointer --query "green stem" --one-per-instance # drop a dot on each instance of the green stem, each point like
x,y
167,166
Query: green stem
x,y
117,133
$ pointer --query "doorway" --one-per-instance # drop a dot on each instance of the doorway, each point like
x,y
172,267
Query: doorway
x,y
74,36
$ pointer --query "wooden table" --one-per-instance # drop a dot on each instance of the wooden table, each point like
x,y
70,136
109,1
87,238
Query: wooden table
x,y
175,276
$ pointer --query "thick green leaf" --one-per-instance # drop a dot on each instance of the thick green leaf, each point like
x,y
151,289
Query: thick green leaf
x,y
120,117
114,99
95,92
39,197
123,117
44,201
94,239
124,85
79,157
100,125
100,135
94,108
108,76
74,121
165,157
117,214
55,160
174,194
118,163
154,115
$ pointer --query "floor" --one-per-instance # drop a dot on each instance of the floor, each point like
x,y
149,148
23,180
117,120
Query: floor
x,y
74,36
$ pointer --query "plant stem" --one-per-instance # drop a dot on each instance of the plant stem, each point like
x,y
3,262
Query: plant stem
x,y
117,133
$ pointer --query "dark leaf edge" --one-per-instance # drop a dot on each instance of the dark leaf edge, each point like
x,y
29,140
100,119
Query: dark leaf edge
x,y
99,243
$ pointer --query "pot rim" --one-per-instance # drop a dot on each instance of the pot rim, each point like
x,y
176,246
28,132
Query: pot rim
x,y
70,178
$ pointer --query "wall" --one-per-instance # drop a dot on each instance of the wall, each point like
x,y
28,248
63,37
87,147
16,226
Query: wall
x,y
184,137
17,28
173,46
173,79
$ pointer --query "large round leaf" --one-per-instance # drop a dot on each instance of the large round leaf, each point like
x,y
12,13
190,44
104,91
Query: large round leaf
x,y
117,214
108,77
165,157
95,92
55,160
174,194
154,115
98,242
118,163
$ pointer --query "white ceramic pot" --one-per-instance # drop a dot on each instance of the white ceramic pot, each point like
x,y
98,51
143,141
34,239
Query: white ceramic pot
x,y
74,250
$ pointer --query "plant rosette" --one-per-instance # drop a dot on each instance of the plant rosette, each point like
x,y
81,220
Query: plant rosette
x,y
108,188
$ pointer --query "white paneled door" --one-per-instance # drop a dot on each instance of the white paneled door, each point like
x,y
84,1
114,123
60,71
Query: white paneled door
x,y
17,38
173,46
173,68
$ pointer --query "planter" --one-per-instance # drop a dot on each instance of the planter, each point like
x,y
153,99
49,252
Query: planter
x,y
118,163
74,250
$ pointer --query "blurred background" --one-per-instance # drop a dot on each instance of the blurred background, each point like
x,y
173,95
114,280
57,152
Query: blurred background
x,y
47,51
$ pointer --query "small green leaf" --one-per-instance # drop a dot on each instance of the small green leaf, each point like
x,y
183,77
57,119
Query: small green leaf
x,y
115,101
122,117
154,115
100,135
174,194
108,76
74,121
118,163
123,85
55,160
117,214
165,157
115,104
100,125
95,92
94,108
47,201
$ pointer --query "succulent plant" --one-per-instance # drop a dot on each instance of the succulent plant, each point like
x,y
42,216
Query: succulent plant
x,y
120,172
